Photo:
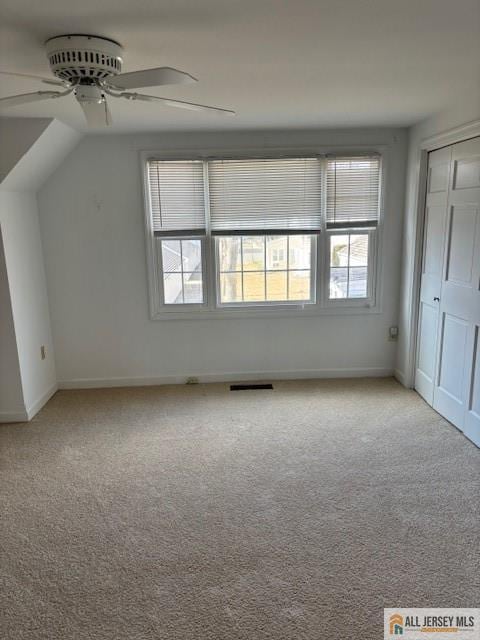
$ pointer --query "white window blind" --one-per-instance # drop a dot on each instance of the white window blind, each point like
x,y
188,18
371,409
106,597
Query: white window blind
x,y
281,195
177,198
353,188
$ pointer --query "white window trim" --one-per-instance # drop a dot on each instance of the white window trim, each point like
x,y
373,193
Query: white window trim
x,y
209,310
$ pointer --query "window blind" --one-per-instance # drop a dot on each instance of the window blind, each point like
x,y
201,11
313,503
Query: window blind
x,y
177,198
353,189
281,195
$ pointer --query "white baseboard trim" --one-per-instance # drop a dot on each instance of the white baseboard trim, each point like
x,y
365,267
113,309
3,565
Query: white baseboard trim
x,y
35,407
13,416
141,381
400,376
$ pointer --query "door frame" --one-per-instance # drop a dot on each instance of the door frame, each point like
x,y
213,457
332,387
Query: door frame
x,y
445,139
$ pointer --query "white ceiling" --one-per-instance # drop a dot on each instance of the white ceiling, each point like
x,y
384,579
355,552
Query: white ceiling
x,y
278,63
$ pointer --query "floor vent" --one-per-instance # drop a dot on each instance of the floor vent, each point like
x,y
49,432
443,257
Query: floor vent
x,y
249,387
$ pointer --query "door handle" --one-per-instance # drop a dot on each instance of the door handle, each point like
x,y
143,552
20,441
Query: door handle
x,y
436,299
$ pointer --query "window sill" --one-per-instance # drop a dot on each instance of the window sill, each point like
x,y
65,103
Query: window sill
x,y
280,311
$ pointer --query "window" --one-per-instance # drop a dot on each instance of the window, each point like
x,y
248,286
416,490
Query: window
x,y
265,268
182,271
348,265
262,232
353,211
177,205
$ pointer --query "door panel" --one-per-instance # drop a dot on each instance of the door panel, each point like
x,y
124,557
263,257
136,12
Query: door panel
x,y
432,268
467,173
433,252
438,172
461,244
457,383
427,340
454,343
475,396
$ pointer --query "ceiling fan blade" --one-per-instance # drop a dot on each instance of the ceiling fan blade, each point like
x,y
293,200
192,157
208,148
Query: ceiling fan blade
x,y
57,83
181,104
151,78
24,98
97,114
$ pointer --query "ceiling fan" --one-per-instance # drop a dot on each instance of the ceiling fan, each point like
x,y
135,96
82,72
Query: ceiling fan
x,y
89,67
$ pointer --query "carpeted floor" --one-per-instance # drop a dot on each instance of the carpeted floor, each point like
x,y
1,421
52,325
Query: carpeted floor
x,y
177,513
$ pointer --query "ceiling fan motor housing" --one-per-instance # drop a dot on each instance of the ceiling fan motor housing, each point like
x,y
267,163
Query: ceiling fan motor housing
x,y
77,58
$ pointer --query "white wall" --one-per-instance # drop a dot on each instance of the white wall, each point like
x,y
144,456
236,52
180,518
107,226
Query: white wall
x,y
92,223
28,294
465,110
11,394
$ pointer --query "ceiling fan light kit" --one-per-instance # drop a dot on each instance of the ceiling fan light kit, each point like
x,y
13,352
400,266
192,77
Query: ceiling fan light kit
x,y
90,68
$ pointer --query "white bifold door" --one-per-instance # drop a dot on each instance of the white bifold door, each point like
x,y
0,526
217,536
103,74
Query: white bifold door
x,y
448,345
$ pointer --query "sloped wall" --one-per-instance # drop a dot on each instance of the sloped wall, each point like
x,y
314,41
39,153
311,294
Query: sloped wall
x,y
28,295
11,395
31,149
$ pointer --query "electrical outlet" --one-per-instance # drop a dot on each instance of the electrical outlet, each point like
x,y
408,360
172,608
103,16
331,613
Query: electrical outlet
x,y
393,334
43,353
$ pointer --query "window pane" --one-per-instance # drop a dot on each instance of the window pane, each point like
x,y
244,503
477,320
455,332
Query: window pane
x,y
349,265
192,287
300,252
182,271
230,287
357,285
253,253
267,274
254,286
299,285
277,285
171,256
191,255
338,282
172,288
276,252
338,251
230,253
359,250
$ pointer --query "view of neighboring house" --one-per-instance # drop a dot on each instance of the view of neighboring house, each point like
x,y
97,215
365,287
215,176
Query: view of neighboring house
x,y
182,265
348,266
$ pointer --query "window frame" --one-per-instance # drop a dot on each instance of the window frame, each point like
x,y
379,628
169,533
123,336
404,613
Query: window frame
x,y
321,304
180,306
369,300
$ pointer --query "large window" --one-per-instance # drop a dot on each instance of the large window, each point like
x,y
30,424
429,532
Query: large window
x,y
263,232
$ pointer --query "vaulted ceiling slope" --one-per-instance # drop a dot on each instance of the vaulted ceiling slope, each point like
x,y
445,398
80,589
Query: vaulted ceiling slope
x,y
31,150
277,63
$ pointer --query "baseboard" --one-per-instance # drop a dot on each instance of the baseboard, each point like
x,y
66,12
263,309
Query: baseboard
x,y
35,407
143,381
13,416
400,376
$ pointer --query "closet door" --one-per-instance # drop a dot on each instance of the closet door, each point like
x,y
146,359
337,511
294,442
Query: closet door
x,y
456,392
432,268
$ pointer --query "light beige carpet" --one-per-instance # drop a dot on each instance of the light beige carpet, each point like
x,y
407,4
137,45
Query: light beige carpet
x,y
198,513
